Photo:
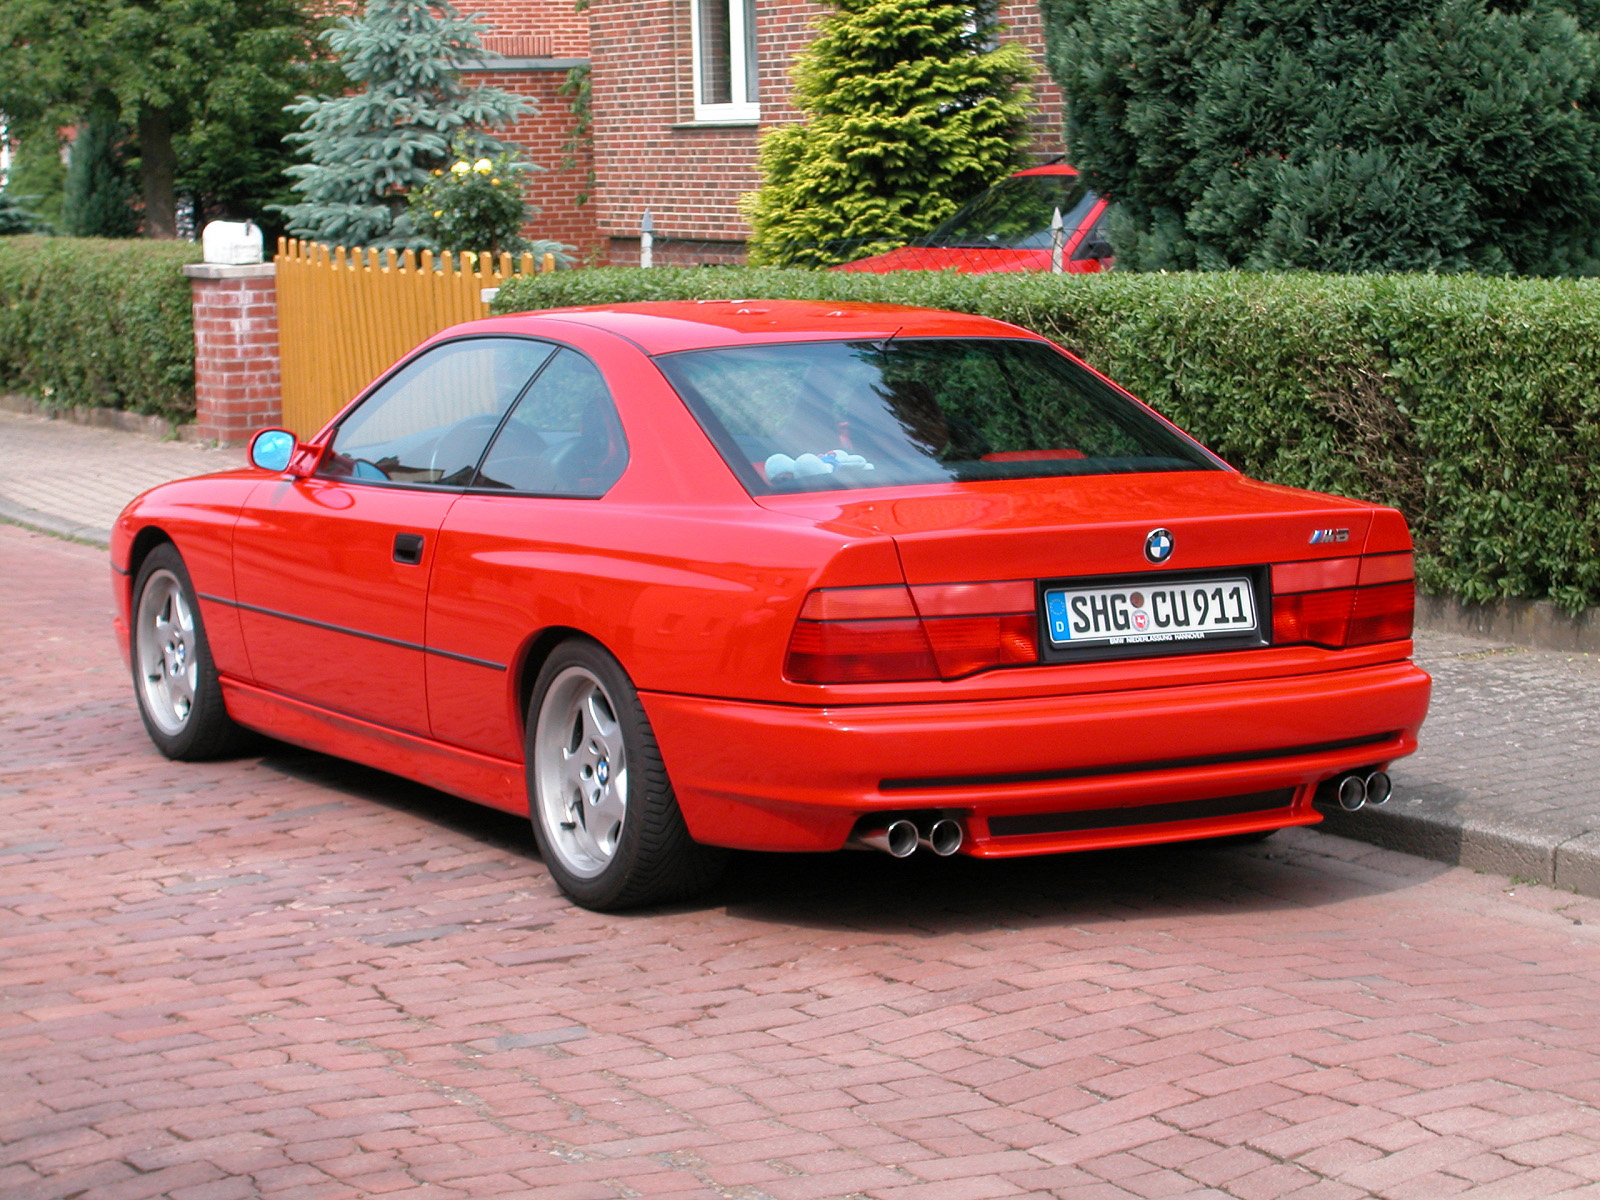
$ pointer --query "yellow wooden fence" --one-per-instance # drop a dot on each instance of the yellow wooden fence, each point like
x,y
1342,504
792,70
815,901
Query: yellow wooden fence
x,y
345,316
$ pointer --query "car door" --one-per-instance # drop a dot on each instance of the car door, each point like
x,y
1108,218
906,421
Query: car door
x,y
331,571
531,512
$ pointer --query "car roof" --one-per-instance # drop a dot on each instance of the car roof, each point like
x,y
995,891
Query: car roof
x,y
1052,168
666,327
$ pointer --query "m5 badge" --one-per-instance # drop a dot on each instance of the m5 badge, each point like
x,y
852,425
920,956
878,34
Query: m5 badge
x,y
1319,536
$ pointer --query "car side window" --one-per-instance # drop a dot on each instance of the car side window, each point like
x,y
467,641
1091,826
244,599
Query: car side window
x,y
429,422
563,438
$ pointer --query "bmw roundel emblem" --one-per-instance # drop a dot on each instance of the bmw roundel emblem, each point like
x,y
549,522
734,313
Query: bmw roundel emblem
x,y
1158,545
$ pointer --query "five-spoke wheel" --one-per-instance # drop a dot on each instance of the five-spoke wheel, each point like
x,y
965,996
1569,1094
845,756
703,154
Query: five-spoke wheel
x,y
603,811
174,680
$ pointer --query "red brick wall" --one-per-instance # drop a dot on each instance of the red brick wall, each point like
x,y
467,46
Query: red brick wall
x,y
1024,24
545,138
564,30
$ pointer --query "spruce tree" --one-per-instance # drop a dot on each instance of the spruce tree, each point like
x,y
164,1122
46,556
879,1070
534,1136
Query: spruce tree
x,y
15,214
910,109
99,194
1340,135
371,147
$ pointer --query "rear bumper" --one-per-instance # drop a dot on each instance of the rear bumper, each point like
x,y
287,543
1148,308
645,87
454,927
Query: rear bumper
x,y
771,777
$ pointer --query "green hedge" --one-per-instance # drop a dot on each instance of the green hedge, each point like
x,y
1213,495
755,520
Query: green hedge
x,y
86,322
1471,404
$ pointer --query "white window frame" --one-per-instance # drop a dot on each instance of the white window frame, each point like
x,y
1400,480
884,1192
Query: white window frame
x,y
741,68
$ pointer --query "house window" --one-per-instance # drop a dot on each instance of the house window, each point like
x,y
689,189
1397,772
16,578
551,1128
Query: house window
x,y
725,60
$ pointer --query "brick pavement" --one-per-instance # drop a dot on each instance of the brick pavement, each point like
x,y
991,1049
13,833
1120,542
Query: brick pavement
x,y
288,977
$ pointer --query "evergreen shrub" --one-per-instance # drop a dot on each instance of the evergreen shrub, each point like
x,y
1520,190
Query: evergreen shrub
x,y
86,322
911,107
1338,135
1471,404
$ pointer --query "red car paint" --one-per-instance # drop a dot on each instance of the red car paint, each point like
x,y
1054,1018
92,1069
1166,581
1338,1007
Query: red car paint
x,y
696,587
960,243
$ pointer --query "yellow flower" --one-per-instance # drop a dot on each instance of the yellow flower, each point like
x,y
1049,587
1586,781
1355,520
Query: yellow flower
x,y
460,168
483,166
494,183
438,171
438,212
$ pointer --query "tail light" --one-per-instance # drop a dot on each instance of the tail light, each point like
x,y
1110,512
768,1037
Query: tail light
x,y
1379,608
894,634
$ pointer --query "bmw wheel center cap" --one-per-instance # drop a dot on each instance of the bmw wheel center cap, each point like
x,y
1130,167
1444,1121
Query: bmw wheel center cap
x,y
1158,545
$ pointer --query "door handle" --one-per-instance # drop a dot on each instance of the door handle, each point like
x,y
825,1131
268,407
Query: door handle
x,y
408,548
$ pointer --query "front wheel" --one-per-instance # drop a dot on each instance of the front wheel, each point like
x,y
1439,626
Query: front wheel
x,y
174,679
607,823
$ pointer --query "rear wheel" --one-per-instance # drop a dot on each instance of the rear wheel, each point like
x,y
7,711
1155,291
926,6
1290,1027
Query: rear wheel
x,y
603,811
174,679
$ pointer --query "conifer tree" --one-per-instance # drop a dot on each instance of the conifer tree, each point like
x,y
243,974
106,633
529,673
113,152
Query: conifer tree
x,y
371,147
910,109
99,193
1340,135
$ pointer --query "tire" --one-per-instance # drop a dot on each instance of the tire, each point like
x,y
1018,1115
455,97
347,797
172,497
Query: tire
x,y
174,679
603,812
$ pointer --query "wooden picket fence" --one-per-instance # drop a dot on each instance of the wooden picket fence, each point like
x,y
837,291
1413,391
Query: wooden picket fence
x,y
345,316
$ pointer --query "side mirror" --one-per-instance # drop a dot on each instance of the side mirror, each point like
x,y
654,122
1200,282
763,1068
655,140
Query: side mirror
x,y
280,450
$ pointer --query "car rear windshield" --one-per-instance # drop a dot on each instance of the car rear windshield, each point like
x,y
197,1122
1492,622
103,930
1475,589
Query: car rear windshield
x,y
1015,213
822,416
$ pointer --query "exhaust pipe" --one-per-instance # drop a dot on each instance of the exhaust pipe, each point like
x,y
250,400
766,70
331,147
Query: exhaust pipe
x,y
1351,793
898,839
1379,787
944,837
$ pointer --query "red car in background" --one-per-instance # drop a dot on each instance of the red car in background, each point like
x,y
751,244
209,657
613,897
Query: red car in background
x,y
1007,228
781,576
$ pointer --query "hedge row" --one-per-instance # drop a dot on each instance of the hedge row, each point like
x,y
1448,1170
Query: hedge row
x,y
1471,404
86,322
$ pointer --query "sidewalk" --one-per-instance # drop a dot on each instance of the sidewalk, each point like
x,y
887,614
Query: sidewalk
x,y
1507,780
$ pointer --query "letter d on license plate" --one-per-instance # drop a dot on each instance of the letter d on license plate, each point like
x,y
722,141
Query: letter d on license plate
x,y
1141,613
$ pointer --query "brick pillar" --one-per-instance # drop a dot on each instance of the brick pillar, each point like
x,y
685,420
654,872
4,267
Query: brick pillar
x,y
236,381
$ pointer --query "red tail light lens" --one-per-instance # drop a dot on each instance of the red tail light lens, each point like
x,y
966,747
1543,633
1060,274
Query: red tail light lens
x,y
1382,614
964,645
1341,617
874,635
859,652
1315,618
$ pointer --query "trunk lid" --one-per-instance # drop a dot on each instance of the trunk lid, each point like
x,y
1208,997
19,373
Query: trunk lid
x,y
1094,525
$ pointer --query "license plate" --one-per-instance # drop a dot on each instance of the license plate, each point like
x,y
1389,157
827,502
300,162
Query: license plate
x,y
1141,613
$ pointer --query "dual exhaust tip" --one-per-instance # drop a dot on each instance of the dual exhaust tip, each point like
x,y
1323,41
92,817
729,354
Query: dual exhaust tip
x,y
901,838
1357,790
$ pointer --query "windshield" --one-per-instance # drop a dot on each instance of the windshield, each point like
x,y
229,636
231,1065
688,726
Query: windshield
x,y
823,416
1015,213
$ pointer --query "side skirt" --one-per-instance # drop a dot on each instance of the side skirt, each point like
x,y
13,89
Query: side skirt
x,y
481,778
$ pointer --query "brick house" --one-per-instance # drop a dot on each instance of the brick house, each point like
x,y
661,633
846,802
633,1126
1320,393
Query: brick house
x,y
680,92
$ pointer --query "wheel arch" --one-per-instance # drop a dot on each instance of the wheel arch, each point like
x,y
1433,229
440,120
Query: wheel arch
x,y
534,655
146,540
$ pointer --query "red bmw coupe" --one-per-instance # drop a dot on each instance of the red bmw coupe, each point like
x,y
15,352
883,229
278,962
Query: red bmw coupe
x,y
672,578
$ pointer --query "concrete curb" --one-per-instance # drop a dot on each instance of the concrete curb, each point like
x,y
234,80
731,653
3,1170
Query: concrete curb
x,y
1558,858
1536,623
158,428
31,518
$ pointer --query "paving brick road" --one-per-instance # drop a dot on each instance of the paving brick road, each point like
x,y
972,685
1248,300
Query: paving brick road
x,y
287,977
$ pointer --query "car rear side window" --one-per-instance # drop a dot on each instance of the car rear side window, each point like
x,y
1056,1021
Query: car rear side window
x,y
563,438
819,416
428,423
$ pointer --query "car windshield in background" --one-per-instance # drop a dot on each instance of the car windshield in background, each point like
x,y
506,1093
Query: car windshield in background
x,y
1015,213
820,416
